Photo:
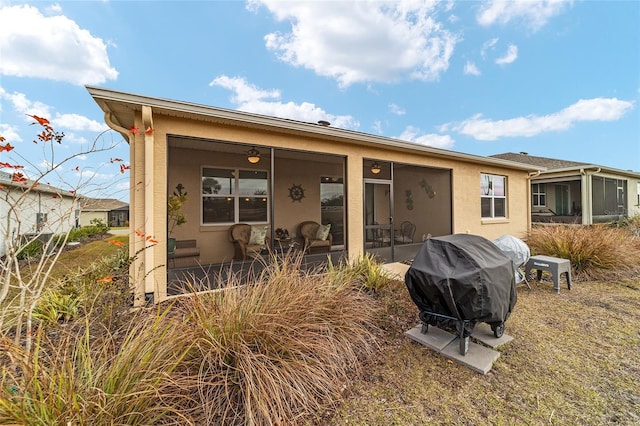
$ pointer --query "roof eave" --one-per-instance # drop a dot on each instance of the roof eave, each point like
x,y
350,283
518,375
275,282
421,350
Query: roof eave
x,y
104,96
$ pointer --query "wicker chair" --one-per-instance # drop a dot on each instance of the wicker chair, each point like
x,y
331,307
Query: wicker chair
x,y
240,236
308,231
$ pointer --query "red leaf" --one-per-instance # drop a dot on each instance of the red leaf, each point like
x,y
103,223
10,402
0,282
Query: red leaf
x,y
41,121
107,279
133,130
149,131
6,147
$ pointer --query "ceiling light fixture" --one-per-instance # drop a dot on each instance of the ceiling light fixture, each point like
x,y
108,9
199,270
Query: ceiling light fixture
x,y
253,155
375,168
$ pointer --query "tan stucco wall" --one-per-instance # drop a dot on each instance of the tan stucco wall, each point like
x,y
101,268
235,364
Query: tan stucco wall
x,y
87,217
185,168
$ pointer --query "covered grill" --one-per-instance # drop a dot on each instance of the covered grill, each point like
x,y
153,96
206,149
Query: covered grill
x,y
459,280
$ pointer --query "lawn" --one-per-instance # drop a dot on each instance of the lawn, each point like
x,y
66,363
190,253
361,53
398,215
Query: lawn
x,y
575,359
326,349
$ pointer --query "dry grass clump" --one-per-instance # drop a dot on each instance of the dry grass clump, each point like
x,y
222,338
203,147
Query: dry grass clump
x,y
595,251
274,352
79,379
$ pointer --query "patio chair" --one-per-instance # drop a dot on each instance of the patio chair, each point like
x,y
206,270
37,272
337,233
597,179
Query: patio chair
x,y
404,235
317,238
248,240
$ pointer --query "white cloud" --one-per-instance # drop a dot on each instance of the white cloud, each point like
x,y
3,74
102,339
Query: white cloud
x,y
397,110
377,127
510,56
533,13
488,45
470,68
78,122
597,109
23,105
244,92
51,47
250,98
26,106
10,133
412,134
361,42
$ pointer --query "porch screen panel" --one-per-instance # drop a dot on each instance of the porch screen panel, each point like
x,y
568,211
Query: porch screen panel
x,y
608,196
252,188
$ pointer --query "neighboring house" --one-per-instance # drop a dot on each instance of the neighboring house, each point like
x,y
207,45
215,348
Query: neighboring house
x,y
112,212
239,167
573,192
27,211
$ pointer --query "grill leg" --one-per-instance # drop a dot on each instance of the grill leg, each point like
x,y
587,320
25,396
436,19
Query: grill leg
x,y
464,345
464,341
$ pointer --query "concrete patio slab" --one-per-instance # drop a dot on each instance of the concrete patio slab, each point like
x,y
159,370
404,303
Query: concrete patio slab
x,y
482,332
479,358
396,269
435,338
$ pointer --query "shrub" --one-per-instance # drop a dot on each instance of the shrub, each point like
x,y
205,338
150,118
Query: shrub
x,y
272,352
102,227
54,306
30,250
595,251
632,224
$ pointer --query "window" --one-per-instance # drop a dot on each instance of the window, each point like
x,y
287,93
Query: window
x,y
233,195
539,195
493,201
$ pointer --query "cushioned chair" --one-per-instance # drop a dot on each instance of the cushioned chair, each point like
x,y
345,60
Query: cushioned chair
x,y
313,242
404,235
248,242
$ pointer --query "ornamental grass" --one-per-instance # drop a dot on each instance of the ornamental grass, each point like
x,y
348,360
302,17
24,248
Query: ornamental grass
x,y
595,251
75,378
276,351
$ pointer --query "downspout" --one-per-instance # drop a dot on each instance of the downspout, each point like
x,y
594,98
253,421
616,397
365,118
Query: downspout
x,y
149,203
135,244
530,176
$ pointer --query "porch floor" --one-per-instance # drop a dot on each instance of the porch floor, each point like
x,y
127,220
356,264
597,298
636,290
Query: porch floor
x,y
212,276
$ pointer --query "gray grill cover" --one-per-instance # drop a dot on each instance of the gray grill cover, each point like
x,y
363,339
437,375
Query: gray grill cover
x,y
463,276
517,250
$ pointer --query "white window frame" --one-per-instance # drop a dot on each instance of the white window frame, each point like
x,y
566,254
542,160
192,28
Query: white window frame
x,y
538,190
235,195
487,192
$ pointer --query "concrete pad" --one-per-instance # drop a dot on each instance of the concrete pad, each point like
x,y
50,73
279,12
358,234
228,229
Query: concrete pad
x,y
396,269
479,358
482,332
435,338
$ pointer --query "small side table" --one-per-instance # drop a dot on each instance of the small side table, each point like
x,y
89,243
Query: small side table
x,y
283,245
554,265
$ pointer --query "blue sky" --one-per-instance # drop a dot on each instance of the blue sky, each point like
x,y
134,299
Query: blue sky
x,y
558,79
